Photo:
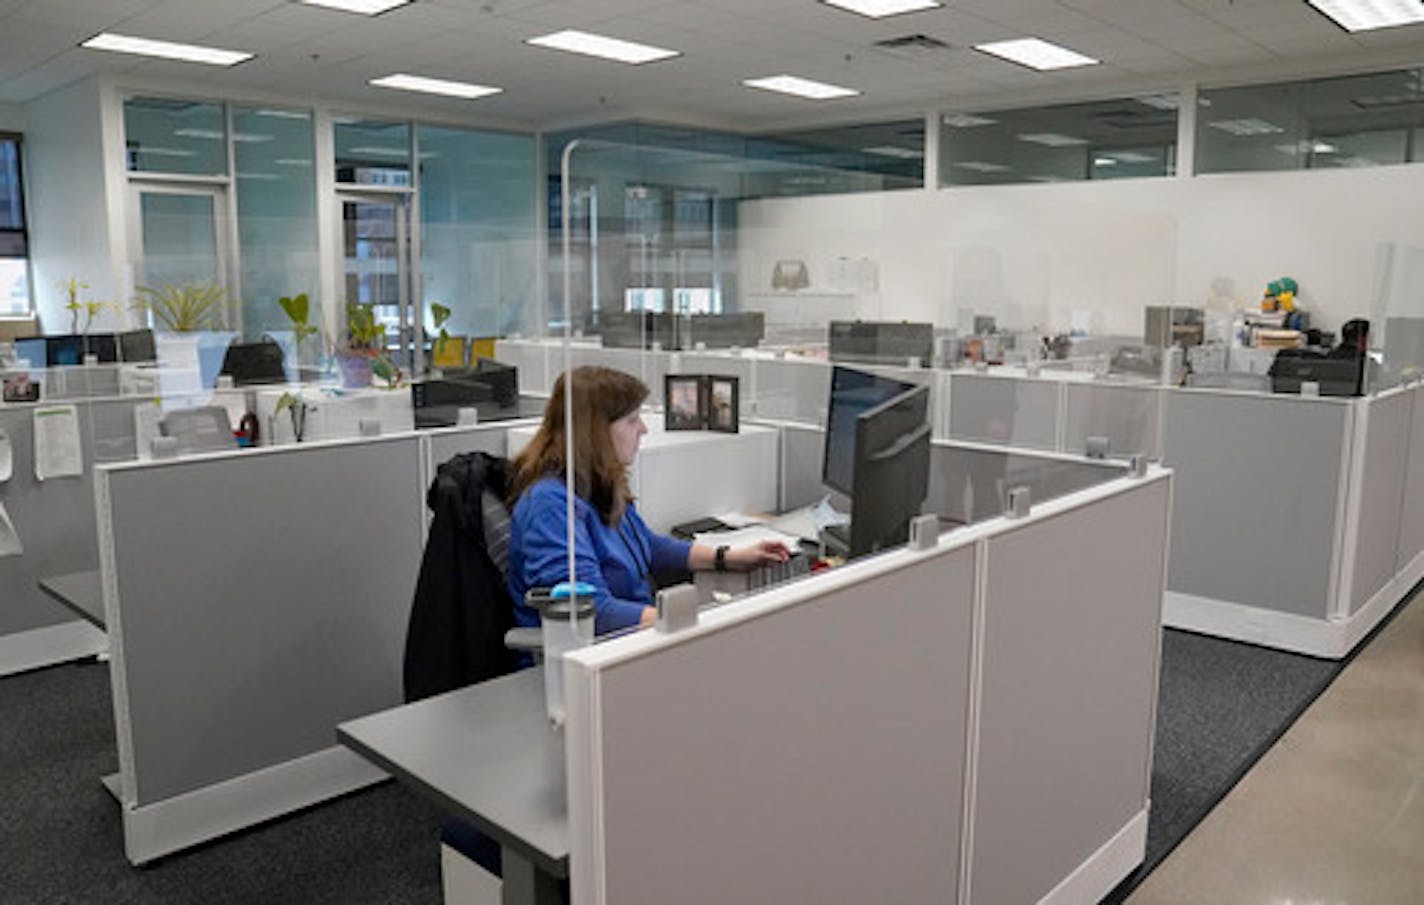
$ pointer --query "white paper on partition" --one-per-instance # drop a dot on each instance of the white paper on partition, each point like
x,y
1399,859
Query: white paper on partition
x,y
57,450
9,538
7,457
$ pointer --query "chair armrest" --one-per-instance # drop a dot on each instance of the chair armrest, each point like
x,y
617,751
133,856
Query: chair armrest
x,y
529,640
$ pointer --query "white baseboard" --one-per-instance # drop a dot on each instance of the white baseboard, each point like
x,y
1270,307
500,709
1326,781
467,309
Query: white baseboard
x,y
167,826
49,645
466,883
1328,638
1105,868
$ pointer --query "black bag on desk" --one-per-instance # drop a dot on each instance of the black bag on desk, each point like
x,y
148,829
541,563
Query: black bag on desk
x,y
259,362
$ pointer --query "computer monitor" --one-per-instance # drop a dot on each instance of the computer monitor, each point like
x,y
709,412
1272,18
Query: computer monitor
x,y
437,403
137,345
881,342
745,329
877,451
103,346
1336,375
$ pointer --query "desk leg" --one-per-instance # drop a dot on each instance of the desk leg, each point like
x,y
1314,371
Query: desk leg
x,y
525,884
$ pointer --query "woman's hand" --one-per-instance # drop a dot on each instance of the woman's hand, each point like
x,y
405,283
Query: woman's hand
x,y
762,553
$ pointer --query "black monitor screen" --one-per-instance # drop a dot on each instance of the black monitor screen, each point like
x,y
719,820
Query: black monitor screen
x,y
65,350
137,345
103,346
892,470
1334,375
852,393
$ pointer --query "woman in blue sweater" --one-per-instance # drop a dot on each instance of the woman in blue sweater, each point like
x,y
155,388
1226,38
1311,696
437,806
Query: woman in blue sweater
x,y
613,549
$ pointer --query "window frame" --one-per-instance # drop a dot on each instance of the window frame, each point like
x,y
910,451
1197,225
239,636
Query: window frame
x,y
23,230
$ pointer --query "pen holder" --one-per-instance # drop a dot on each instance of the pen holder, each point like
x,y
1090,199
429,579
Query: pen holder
x,y
566,616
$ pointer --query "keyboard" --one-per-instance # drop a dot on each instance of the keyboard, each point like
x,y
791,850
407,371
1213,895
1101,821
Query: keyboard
x,y
714,585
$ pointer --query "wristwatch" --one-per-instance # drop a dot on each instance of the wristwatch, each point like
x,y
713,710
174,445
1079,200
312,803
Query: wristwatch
x,y
719,562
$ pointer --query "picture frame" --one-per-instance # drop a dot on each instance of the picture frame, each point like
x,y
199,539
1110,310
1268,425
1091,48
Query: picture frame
x,y
20,388
701,402
723,403
684,408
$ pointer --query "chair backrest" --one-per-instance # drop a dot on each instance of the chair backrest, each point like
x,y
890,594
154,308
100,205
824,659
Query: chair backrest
x,y
495,516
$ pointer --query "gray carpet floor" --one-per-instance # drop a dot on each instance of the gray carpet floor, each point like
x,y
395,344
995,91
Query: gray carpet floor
x,y
61,839
1221,705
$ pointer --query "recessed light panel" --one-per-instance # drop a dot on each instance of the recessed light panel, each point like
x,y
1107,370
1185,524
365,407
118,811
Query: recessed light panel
x,y
167,50
1245,127
1052,139
894,151
879,9
966,120
364,7
1036,53
1365,15
605,48
799,87
403,82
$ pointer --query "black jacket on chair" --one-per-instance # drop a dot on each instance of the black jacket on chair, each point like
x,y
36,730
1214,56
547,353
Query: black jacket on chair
x,y
461,609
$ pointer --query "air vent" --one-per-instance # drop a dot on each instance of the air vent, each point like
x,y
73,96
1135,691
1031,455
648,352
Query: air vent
x,y
912,44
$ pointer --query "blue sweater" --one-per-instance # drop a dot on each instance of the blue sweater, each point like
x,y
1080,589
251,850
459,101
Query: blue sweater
x,y
616,559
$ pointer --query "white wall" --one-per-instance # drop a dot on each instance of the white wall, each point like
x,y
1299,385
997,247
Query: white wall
x,y
1031,254
71,202
12,118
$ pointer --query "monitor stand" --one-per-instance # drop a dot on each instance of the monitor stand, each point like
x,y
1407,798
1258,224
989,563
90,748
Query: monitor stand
x,y
835,539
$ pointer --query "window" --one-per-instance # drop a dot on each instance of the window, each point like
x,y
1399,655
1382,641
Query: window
x,y
1124,138
1352,121
15,299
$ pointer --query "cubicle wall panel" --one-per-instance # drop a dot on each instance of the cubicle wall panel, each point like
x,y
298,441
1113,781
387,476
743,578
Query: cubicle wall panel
x,y
263,598
489,438
970,483
758,763
54,520
1004,410
704,473
1381,500
529,357
1072,614
1411,527
1254,510
792,390
1128,416
803,453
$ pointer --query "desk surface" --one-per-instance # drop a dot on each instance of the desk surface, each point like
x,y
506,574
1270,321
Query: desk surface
x,y
484,753
80,591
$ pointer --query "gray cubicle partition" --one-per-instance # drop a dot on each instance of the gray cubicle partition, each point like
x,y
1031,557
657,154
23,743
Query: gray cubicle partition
x,y
447,442
1372,555
254,600
986,408
976,719
1128,416
1260,483
1070,654
55,523
1411,527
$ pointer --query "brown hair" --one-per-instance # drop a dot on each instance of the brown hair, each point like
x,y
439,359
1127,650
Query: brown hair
x,y
600,397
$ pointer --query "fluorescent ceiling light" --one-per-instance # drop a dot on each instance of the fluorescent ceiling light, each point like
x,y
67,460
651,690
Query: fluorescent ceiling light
x,y
1036,53
379,151
1129,156
790,84
1104,162
364,7
293,161
879,9
966,120
1052,139
605,48
1159,101
187,53
893,151
1364,15
1307,147
284,114
1251,126
217,135
164,152
404,82
981,166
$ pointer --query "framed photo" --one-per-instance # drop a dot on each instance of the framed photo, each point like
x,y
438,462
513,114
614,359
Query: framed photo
x,y
722,405
19,388
683,405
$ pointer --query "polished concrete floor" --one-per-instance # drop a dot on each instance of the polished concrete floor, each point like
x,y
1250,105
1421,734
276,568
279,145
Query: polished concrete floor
x,y
1333,814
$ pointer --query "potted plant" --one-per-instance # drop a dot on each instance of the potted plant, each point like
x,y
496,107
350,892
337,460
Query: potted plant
x,y
447,351
298,311
71,289
184,308
365,340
